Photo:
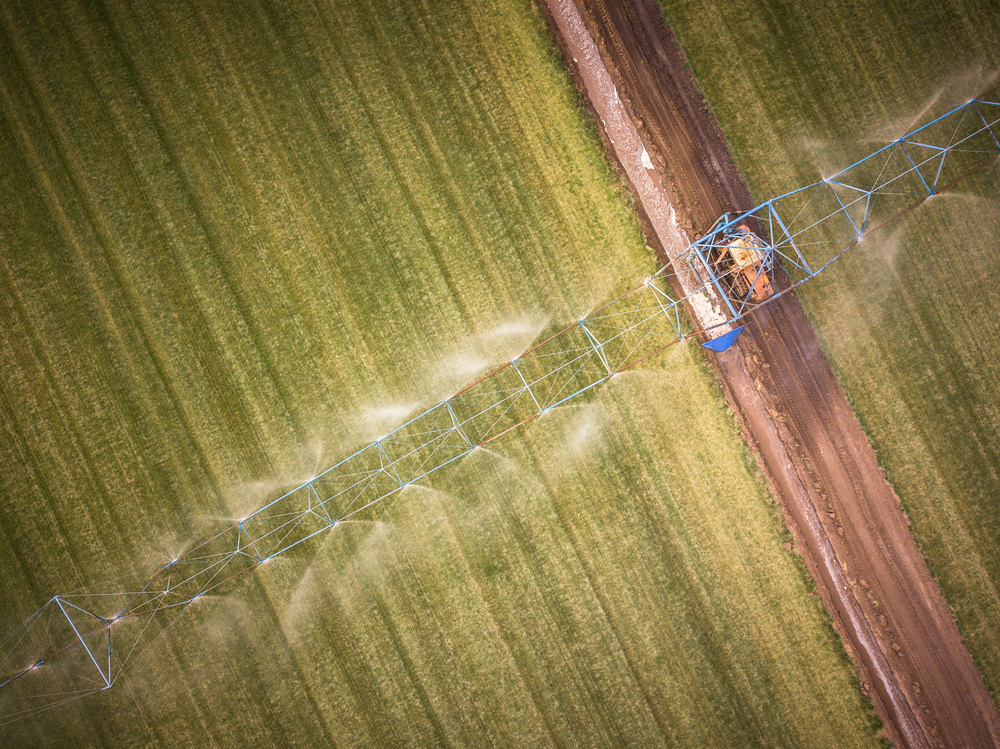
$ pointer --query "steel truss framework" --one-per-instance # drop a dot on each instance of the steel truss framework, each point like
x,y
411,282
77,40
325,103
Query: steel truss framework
x,y
83,642
809,228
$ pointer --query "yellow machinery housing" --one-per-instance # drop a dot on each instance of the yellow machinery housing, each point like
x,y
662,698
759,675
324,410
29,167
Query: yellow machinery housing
x,y
743,266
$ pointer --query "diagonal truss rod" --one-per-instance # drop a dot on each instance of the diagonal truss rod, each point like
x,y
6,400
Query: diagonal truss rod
x,y
804,231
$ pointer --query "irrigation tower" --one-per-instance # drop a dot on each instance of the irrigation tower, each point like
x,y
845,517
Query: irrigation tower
x,y
83,642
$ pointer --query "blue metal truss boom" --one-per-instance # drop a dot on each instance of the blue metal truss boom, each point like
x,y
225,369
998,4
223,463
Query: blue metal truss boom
x,y
57,654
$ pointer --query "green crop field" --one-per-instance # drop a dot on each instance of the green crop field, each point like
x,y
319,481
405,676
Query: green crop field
x,y
910,318
239,239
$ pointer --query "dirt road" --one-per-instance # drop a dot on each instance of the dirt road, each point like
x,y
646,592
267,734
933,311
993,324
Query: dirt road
x,y
846,519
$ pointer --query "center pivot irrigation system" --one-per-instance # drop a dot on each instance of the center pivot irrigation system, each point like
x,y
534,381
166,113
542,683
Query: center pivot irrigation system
x,y
83,642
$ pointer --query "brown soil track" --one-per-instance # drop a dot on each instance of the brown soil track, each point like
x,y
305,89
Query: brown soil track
x,y
845,517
